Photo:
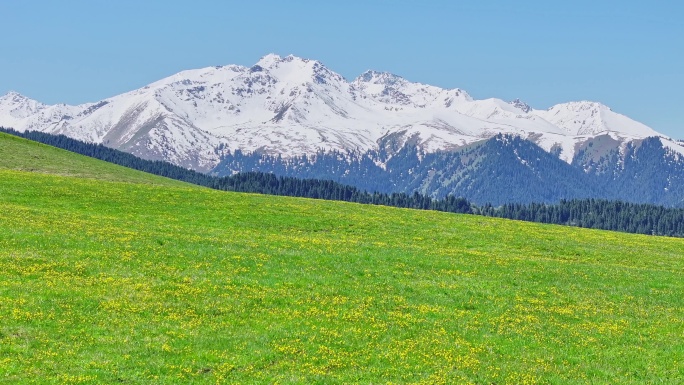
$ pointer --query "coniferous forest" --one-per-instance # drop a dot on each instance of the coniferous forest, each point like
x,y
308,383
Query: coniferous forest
x,y
589,213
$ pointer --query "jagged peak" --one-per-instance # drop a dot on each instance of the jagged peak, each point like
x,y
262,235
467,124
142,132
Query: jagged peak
x,y
390,80
269,60
519,104
377,77
14,96
290,58
295,67
15,99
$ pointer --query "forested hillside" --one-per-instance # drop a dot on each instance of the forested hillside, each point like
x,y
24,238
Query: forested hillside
x,y
591,213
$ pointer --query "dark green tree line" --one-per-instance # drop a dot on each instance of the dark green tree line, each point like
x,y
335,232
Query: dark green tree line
x,y
589,213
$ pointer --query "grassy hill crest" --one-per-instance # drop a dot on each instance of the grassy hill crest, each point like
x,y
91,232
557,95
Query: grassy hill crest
x,y
25,155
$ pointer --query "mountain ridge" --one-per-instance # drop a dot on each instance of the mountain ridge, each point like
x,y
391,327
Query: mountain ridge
x,y
292,106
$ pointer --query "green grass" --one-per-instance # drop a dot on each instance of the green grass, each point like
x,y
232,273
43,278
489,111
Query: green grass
x,y
138,283
25,155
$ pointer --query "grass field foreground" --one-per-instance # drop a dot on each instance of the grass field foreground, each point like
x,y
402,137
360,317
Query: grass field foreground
x,y
112,282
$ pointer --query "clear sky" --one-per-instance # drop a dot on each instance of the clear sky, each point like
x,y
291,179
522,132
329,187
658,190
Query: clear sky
x,y
626,54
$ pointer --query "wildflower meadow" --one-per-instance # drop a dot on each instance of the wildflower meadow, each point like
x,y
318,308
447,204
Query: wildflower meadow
x,y
139,280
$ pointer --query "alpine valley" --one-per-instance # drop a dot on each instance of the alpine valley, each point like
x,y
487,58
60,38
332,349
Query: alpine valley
x,y
379,132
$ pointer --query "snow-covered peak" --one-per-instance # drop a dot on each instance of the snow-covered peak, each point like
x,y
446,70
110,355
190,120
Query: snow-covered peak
x,y
273,61
375,77
392,89
389,88
580,106
269,60
293,106
519,104
15,98
216,74
591,118
11,95
18,105
295,70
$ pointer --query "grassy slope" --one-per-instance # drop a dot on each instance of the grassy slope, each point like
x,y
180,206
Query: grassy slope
x,y
106,282
24,155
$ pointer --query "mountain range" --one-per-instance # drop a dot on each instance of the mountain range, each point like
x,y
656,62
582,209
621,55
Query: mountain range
x,y
296,117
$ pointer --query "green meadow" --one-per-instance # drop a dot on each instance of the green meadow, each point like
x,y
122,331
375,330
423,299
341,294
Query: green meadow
x,y
108,275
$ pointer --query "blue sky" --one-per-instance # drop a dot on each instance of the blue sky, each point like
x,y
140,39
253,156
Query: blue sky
x,y
626,54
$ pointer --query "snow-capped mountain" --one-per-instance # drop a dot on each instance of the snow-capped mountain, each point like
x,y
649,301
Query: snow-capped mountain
x,y
292,106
